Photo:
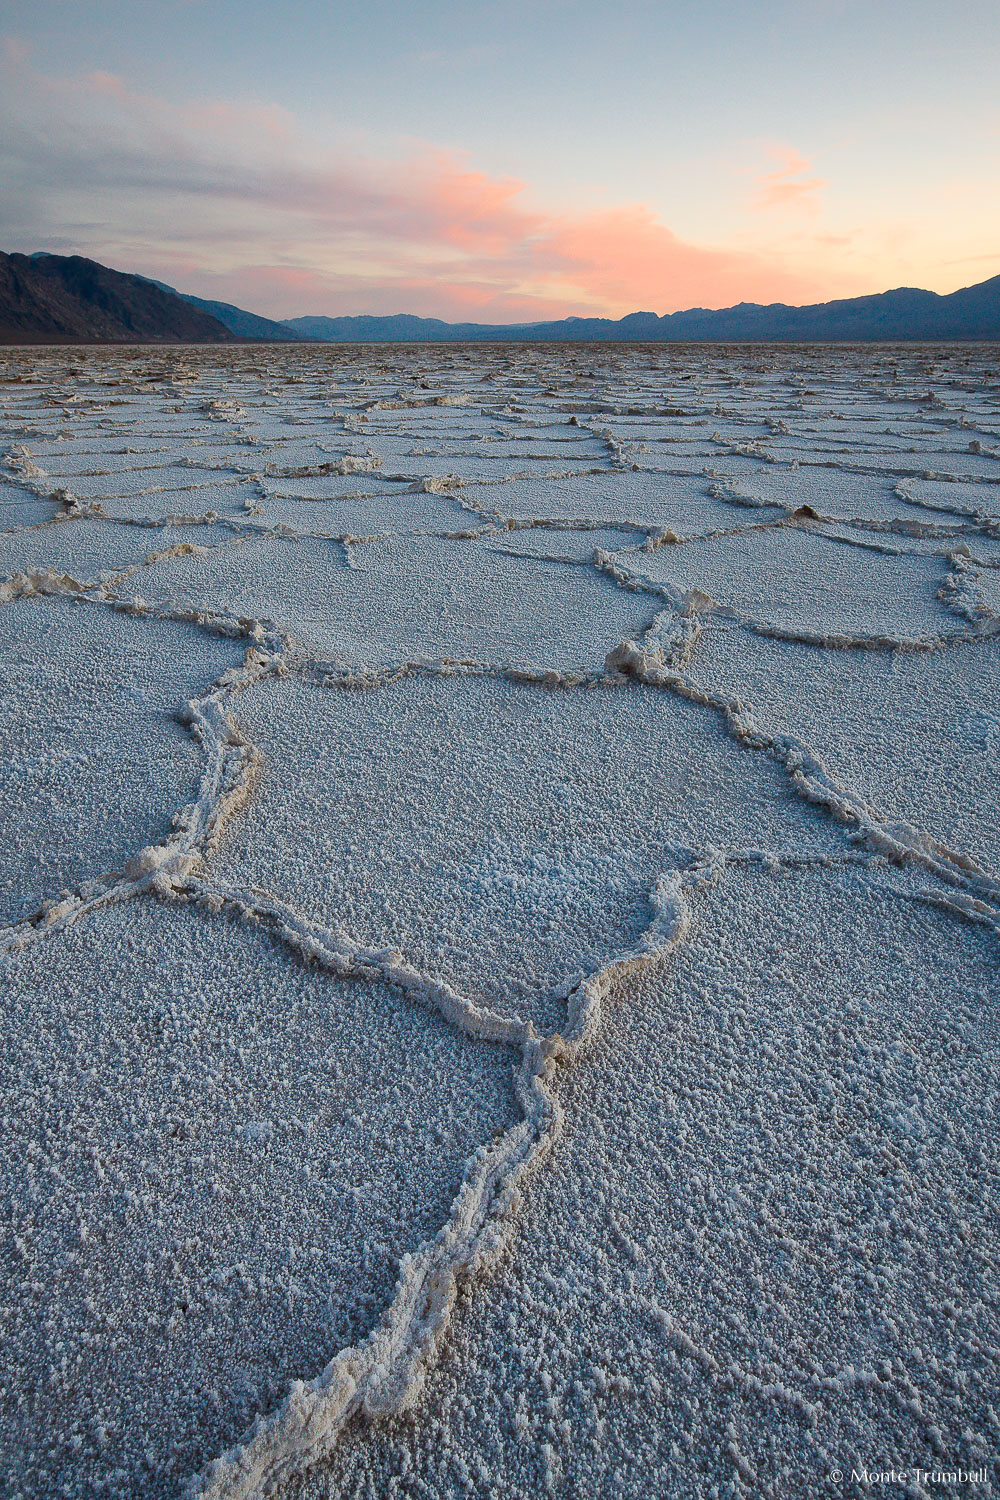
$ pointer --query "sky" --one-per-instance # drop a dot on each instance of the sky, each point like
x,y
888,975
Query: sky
x,y
506,162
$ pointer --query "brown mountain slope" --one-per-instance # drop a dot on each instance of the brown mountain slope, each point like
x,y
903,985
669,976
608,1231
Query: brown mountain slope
x,y
65,299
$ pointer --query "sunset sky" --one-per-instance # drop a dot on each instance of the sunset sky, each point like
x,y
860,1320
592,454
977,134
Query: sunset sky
x,y
508,161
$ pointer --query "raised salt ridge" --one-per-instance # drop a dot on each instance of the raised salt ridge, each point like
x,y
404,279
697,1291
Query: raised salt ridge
x,y
501,887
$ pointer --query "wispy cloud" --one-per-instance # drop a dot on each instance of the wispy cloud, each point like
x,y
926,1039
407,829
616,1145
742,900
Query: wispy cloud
x,y
789,185
232,199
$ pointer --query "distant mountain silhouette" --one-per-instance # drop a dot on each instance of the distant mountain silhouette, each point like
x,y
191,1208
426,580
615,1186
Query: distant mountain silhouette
x,y
246,325
405,328
65,299
906,313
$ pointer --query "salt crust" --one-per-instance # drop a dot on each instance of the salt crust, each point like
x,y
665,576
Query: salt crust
x,y
781,447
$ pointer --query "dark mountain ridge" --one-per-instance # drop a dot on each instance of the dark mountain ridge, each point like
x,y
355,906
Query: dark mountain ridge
x,y
67,299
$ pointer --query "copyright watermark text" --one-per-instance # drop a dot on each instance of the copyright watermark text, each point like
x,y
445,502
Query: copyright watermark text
x,y
914,1475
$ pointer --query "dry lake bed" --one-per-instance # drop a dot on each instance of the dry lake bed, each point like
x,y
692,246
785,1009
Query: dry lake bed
x,y
499,913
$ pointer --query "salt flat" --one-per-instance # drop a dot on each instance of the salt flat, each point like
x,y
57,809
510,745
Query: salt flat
x,y
501,883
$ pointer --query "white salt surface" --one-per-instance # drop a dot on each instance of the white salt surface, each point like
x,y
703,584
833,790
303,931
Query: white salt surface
x,y
385,601
501,873
93,763
920,744
763,1246
503,834
102,547
211,1165
794,580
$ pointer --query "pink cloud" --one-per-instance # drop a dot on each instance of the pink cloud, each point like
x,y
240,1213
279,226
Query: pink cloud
x,y
620,252
230,198
789,186
472,211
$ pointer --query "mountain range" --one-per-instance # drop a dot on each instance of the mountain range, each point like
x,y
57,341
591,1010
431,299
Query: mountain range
x,y
68,299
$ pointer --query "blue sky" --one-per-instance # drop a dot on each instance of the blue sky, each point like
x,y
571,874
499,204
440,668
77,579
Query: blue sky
x,y
508,161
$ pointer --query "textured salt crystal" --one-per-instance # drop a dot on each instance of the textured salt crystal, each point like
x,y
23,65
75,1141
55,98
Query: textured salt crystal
x,y
500,846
